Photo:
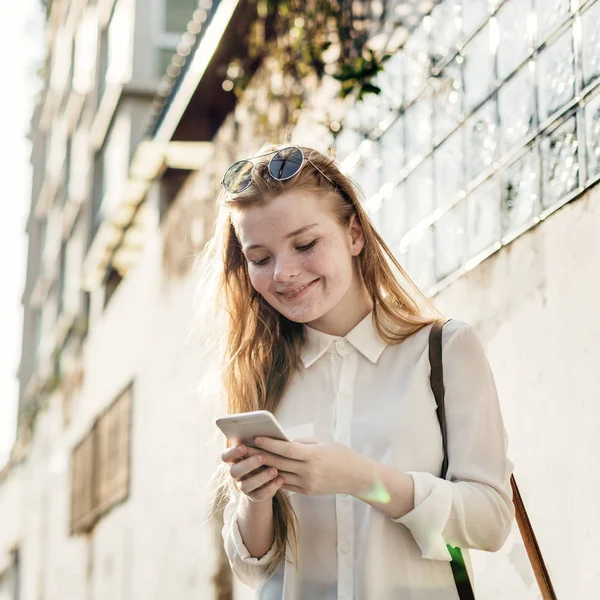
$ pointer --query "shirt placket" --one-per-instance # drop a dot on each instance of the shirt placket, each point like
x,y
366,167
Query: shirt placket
x,y
343,502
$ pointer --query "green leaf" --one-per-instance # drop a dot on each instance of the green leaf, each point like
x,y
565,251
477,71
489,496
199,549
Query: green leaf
x,y
369,88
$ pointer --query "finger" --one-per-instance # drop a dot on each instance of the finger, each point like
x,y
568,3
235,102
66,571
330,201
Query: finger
x,y
232,455
286,449
266,491
306,440
294,488
246,466
290,478
281,463
253,482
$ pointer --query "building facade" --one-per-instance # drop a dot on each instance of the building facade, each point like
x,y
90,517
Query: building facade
x,y
478,161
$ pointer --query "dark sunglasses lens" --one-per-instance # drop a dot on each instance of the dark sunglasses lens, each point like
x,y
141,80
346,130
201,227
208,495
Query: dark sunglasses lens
x,y
286,163
238,177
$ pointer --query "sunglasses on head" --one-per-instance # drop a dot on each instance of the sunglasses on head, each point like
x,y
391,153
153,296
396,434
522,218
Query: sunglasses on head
x,y
284,164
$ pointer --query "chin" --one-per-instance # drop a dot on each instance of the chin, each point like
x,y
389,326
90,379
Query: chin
x,y
302,314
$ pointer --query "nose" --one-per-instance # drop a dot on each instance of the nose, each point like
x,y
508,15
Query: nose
x,y
285,269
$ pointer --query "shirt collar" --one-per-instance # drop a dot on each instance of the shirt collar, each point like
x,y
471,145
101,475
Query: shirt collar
x,y
363,337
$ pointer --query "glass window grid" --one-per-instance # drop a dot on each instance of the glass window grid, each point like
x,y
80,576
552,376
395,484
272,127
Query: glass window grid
x,y
532,142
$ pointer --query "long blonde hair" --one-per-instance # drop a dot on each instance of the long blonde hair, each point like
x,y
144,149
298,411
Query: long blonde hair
x,y
262,347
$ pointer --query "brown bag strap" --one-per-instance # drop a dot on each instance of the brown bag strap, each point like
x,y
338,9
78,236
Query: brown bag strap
x,y
531,545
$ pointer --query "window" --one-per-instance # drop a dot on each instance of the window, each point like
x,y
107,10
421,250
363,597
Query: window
x,y
62,275
86,42
102,68
111,164
101,465
488,139
113,452
73,261
112,281
68,168
82,487
98,190
172,22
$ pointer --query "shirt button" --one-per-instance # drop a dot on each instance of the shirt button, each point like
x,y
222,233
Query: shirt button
x,y
340,344
344,549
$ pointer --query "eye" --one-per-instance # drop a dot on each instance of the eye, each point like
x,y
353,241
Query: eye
x,y
307,247
261,262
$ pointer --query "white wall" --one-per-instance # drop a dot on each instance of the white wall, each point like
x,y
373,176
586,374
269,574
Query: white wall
x,y
535,304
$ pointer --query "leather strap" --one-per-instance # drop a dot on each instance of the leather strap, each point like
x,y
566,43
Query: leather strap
x,y
531,545
461,578
457,564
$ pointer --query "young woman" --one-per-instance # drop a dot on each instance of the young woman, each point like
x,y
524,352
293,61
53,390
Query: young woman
x,y
325,335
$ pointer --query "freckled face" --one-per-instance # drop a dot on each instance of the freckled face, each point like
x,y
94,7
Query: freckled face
x,y
306,275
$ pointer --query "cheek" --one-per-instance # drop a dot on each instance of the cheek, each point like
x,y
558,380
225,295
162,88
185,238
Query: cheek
x,y
331,261
260,279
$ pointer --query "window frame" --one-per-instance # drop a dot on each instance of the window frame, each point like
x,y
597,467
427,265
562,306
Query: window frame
x,y
505,158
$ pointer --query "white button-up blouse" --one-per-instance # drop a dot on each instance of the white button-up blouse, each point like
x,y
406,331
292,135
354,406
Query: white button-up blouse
x,y
376,398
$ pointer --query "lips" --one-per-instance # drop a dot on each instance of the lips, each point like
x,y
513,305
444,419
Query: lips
x,y
292,292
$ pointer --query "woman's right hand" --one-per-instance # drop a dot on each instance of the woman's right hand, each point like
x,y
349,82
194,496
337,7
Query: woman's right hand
x,y
247,470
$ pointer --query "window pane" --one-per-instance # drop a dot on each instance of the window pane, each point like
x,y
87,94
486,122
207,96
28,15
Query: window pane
x,y
178,13
516,103
592,128
557,76
447,99
514,36
391,82
416,60
560,163
419,261
368,172
550,15
475,14
419,190
392,151
520,191
394,214
590,22
369,112
450,241
419,125
478,68
481,140
483,217
163,60
449,169
445,29
349,138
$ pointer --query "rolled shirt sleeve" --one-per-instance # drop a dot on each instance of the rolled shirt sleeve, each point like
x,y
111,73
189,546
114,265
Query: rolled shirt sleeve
x,y
473,507
247,569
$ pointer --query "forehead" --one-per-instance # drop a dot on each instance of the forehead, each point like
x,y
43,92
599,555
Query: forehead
x,y
270,221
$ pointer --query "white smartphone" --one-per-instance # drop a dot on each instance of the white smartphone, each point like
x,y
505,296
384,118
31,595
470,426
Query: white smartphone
x,y
244,427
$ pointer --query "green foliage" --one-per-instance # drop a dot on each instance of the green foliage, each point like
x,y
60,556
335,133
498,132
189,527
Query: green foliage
x,y
357,74
303,41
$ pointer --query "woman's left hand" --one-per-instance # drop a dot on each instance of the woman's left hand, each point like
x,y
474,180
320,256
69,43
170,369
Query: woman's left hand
x,y
317,468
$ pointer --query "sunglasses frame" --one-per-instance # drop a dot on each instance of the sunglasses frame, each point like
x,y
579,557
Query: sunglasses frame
x,y
275,153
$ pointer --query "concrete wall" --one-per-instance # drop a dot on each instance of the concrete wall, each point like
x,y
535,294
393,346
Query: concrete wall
x,y
535,305
160,543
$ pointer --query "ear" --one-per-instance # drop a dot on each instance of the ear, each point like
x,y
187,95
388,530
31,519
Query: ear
x,y
356,236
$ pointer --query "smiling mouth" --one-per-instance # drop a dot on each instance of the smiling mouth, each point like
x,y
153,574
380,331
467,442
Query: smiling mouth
x,y
297,291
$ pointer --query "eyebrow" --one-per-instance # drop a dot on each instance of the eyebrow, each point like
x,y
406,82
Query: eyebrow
x,y
287,237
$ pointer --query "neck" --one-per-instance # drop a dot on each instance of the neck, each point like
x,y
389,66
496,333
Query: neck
x,y
353,308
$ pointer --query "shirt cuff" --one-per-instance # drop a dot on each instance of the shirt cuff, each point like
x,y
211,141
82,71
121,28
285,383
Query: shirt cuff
x,y
426,522
243,552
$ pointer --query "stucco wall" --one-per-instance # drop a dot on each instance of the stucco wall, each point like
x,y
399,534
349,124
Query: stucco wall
x,y
535,306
